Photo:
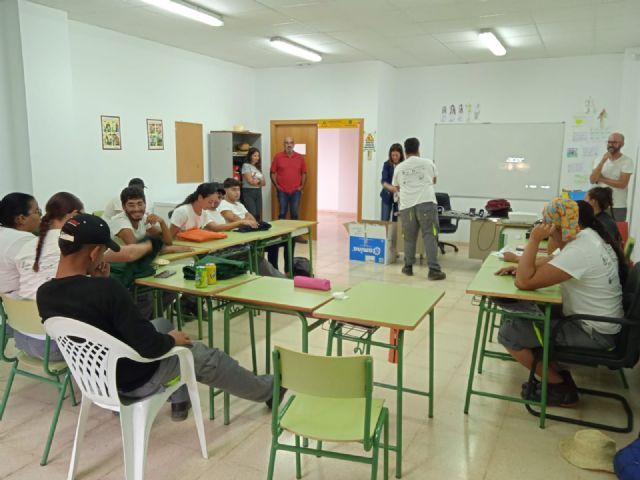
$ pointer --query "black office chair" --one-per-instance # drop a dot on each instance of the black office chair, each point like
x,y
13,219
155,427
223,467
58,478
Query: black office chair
x,y
446,224
625,354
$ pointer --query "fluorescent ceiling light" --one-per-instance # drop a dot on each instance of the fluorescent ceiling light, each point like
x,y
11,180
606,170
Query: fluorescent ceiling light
x,y
291,48
188,10
492,43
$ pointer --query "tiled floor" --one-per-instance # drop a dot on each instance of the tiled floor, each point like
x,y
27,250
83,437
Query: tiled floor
x,y
495,441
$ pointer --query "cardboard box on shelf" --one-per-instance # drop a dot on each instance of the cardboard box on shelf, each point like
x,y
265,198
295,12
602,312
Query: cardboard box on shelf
x,y
372,241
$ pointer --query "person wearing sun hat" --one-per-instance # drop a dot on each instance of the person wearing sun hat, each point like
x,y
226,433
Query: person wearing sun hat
x,y
590,268
589,449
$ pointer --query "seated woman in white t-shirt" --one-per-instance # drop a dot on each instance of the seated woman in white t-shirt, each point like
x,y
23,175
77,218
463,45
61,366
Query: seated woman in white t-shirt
x,y
231,208
590,269
133,224
199,211
19,221
37,261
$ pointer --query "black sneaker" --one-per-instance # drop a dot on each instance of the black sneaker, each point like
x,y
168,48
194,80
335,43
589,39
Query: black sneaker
x,y
558,394
535,387
270,401
408,270
180,411
436,275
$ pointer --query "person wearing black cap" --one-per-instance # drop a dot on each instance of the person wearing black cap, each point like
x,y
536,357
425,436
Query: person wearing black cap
x,y
114,206
105,304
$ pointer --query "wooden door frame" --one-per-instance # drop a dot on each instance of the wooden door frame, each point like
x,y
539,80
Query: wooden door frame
x,y
316,122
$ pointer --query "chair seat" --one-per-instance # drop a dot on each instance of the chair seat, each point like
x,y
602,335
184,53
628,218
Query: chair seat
x,y
36,363
448,228
590,357
330,419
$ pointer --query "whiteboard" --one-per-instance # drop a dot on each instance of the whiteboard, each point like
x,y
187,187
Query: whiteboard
x,y
516,161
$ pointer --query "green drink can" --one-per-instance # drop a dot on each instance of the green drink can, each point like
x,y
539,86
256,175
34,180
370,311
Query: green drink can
x,y
201,277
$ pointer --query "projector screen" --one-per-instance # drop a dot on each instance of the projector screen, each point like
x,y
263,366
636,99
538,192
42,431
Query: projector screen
x,y
516,161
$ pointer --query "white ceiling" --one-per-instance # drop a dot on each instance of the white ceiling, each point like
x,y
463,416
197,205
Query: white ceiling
x,y
402,33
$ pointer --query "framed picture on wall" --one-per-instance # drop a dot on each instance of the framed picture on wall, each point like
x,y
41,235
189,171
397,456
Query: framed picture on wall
x,y
110,126
155,134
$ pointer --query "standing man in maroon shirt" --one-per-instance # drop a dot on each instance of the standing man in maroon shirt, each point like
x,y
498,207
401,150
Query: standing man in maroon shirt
x,y
288,174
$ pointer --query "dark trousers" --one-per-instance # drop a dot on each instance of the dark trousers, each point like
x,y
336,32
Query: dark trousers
x,y
287,202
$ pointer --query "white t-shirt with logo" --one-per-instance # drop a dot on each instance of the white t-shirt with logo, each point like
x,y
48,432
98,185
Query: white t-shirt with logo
x,y
415,177
30,281
11,241
121,221
613,170
595,286
185,218
238,208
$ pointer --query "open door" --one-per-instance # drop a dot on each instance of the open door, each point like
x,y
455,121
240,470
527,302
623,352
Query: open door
x,y
305,135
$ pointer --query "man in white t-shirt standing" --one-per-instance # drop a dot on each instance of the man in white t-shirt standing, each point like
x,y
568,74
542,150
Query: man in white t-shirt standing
x,y
413,180
614,170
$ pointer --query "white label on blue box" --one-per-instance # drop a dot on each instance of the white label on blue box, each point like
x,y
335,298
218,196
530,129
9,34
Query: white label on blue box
x,y
366,249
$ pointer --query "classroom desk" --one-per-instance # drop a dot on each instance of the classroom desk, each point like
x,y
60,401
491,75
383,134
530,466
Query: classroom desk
x,y
488,286
257,241
177,283
271,294
399,307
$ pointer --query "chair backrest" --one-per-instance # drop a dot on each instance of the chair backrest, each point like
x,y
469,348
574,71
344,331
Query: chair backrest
x,y
22,315
628,340
443,200
336,377
98,213
623,228
91,355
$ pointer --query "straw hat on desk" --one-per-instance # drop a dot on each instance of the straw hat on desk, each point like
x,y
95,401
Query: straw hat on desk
x,y
589,449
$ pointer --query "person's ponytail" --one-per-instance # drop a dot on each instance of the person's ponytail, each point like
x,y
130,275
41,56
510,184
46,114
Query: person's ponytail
x,y
203,190
587,219
59,205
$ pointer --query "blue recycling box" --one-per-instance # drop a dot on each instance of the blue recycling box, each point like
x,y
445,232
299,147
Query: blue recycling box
x,y
372,242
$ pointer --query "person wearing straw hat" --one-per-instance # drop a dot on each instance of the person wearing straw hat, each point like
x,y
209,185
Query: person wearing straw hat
x,y
589,449
590,269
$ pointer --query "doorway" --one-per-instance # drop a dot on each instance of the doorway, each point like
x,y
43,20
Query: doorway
x,y
337,180
305,134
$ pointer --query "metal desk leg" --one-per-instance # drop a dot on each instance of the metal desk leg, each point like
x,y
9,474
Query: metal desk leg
x,y
199,301
431,361
290,254
305,332
485,332
210,343
252,339
267,340
399,393
310,251
545,364
476,341
227,348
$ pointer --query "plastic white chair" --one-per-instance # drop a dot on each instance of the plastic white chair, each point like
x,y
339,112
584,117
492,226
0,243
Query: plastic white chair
x,y
91,355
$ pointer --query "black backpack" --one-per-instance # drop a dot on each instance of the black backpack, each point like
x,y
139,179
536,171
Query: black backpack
x,y
301,267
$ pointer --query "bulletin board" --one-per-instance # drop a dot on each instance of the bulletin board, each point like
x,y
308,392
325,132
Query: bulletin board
x,y
189,152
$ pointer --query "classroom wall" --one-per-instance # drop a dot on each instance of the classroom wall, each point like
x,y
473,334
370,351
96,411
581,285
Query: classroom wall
x,y
76,72
547,90
321,91
15,166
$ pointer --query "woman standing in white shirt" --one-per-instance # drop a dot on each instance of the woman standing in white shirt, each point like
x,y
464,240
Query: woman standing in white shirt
x,y
19,220
590,268
252,183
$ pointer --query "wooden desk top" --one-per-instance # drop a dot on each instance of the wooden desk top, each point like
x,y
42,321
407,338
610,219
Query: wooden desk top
x,y
382,304
177,283
278,293
487,283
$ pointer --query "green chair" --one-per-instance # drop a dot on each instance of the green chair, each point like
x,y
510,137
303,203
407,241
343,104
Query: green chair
x,y
22,315
332,402
98,213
